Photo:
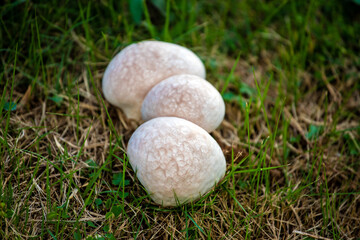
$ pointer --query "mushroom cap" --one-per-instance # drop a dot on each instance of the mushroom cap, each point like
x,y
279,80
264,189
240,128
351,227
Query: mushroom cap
x,y
185,96
140,66
175,160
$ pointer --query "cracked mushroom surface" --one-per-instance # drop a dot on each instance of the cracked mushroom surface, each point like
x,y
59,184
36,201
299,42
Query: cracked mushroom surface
x,y
175,160
137,68
185,96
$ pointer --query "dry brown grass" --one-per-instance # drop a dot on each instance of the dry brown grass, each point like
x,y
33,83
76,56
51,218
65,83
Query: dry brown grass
x,y
49,146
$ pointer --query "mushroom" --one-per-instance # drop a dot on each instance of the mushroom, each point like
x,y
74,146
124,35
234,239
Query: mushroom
x,y
185,96
175,160
140,66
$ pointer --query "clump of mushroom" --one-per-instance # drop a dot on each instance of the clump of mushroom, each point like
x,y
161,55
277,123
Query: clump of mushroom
x,y
185,96
173,155
175,160
140,66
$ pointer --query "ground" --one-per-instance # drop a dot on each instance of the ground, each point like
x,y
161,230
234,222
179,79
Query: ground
x,y
288,71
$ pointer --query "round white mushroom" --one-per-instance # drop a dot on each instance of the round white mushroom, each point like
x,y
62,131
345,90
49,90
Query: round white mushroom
x,y
185,96
140,66
175,160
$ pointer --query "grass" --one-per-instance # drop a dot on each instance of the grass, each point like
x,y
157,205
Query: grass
x,y
288,71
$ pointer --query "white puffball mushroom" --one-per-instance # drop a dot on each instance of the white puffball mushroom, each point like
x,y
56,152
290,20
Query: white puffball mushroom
x,y
185,96
140,66
175,160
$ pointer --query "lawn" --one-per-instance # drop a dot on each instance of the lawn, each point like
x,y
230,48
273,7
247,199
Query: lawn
x,y
288,71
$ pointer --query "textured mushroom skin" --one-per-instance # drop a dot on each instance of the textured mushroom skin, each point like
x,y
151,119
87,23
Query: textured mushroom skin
x,y
174,157
140,66
185,96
